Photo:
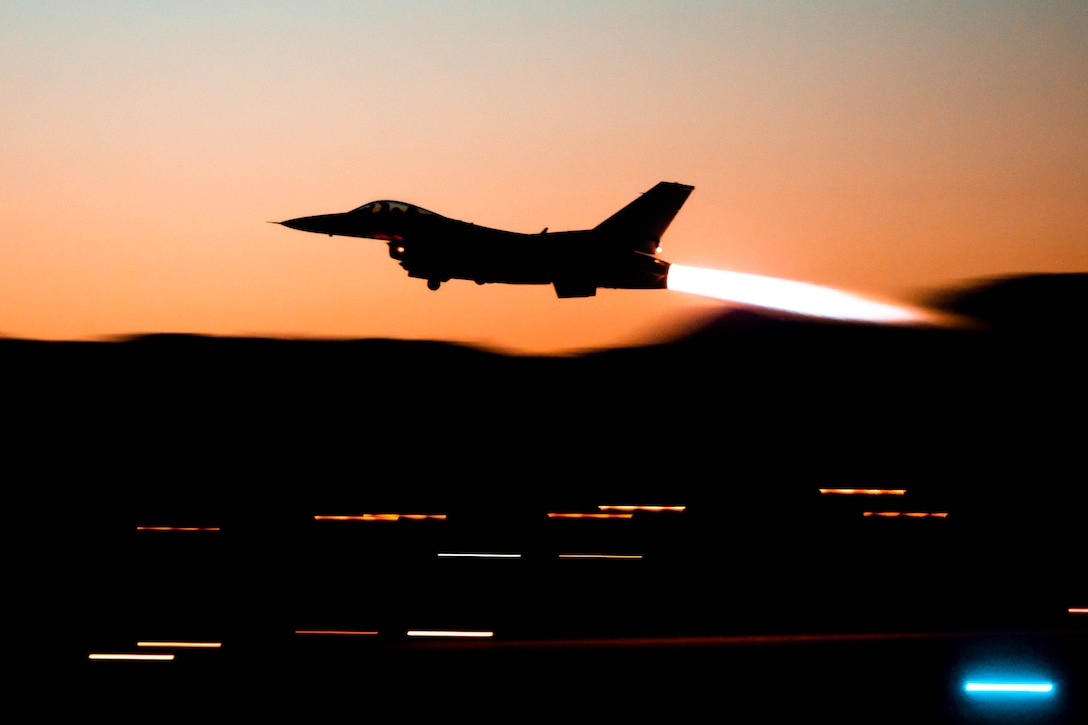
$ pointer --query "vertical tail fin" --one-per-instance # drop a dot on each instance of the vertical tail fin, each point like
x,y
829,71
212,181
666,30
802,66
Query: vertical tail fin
x,y
640,225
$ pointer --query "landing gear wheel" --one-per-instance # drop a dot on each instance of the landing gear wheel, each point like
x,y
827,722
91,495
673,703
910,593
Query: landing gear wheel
x,y
434,284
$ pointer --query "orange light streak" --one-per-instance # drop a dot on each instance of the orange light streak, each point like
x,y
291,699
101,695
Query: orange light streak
x,y
140,657
177,528
206,645
381,517
448,633
911,514
607,507
1078,610
336,632
789,296
588,516
865,491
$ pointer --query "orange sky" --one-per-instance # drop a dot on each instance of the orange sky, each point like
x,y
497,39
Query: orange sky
x,y
883,148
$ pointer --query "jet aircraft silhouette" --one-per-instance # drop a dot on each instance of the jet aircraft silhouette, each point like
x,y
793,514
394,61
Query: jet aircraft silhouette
x,y
620,252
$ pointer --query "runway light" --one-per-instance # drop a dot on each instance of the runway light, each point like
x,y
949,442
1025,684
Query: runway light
x,y
1031,688
448,633
205,645
608,507
345,632
381,517
134,657
476,555
864,491
788,296
177,528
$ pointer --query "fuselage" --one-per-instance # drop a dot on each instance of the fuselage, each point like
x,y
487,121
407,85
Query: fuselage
x,y
436,248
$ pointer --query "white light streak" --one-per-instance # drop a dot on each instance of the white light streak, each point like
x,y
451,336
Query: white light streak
x,y
1014,687
448,633
138,657
204,645
479,555
789,296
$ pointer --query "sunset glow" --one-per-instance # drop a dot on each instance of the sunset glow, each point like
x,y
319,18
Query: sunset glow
x,y
883,149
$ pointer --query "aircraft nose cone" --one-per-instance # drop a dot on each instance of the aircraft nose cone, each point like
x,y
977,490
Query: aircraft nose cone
x,y
299,224
320,224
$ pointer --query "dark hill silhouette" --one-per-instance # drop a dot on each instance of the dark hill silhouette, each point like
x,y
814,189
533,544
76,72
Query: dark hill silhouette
x,y
1023,302
759,399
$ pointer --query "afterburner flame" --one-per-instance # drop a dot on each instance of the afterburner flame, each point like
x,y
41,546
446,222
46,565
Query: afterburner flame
x,y
796,297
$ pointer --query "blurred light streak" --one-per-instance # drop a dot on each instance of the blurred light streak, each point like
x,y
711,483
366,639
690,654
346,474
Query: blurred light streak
x,y
381,517
141,657
1010,687
336,632
476,555
1078,610
865,491
908,514
600,556
448,633
607,507
205,645
177,528
797,297
588,516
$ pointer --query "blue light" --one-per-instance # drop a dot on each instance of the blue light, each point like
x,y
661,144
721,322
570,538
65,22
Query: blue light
x,y
1018,688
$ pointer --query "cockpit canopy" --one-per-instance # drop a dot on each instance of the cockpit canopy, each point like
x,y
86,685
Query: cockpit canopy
x,y
390,207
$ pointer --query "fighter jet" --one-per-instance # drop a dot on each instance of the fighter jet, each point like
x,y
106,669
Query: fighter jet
x,y
620,252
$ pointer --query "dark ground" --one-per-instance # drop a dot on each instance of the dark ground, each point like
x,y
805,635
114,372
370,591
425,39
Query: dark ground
x,y
741,422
